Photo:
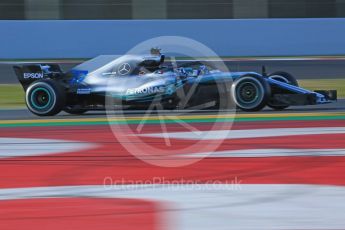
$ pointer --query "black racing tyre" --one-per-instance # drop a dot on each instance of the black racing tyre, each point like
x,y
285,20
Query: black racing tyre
x,y
74,111
45,98
286,78
250,92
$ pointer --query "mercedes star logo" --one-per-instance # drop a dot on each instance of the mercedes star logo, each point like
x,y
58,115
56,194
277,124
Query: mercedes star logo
x,y
124,69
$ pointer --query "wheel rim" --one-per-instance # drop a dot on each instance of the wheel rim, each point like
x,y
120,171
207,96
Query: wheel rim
x,y
40,98
249,93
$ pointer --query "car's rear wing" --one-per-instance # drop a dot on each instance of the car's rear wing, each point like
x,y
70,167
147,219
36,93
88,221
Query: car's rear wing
x,y
27,74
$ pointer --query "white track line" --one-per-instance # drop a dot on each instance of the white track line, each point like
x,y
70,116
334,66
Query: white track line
x,y
221,206
269,153
21,147
250,133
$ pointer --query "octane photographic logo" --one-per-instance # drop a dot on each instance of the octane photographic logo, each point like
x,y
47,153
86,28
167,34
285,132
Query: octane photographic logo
x,y
147,136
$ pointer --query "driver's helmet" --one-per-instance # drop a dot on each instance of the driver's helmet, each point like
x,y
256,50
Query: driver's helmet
x,y
142,71
156,51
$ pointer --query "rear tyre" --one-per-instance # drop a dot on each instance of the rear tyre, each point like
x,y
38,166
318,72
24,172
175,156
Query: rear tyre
x,y
45,98
286,78
250,92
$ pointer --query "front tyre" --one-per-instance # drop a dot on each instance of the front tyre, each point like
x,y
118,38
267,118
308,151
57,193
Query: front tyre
x,y
286,78
250,92
45,98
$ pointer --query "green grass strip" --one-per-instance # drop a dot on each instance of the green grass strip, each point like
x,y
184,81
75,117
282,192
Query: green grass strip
x,y
11,96
168,121
325,84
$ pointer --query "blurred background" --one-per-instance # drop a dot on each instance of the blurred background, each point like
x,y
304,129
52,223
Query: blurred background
x,y
303,37
168,9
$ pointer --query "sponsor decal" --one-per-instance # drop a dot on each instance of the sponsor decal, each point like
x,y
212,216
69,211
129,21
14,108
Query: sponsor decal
x,y
108,73
84,91
33,75
170,89
124,69
147,90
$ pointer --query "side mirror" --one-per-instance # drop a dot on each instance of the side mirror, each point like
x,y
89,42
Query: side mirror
x,y
264,72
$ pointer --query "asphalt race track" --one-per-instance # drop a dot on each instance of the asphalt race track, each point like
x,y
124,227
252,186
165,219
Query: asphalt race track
x,y
24,114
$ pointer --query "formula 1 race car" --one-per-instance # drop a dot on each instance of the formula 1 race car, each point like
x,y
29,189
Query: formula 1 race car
x,y
136,82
